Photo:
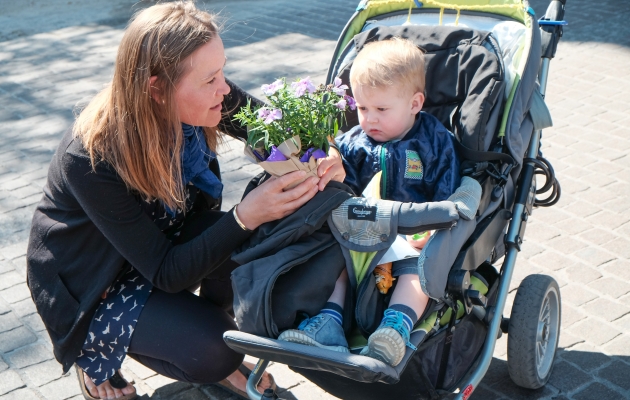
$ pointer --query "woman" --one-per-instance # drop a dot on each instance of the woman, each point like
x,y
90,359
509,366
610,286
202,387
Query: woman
x,y
129,219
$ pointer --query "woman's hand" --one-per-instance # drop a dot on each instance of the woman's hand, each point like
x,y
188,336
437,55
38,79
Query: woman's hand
x,y
270,201
330,169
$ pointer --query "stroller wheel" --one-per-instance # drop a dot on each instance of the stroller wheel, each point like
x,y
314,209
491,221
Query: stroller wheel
x,y
534,331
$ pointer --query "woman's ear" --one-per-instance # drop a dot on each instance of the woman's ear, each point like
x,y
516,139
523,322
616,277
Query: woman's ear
x,y
417,101
154,89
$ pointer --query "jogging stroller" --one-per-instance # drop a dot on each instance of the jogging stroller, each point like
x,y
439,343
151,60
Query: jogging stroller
x,y
487,65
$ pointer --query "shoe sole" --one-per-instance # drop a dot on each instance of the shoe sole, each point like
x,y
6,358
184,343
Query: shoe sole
x,y
387,346
294,336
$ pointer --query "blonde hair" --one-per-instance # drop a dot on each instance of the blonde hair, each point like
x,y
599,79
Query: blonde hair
x,y
122,125
395,61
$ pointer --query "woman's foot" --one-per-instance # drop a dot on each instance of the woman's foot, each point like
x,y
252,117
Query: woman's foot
x,y
239,381
105,389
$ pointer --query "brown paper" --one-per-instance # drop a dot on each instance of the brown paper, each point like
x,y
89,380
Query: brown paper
x,y
290,148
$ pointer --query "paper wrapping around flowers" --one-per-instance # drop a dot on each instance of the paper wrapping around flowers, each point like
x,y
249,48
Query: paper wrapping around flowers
x,y
290,148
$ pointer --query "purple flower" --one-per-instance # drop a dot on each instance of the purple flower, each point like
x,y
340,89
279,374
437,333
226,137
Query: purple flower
x,y
268,90
338,88
263,113
273,115
275,155
351,102
341,104
302,86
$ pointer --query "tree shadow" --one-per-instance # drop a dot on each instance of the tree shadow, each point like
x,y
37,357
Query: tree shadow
x,y
576,374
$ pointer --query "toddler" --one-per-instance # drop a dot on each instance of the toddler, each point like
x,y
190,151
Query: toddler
x,y
415,157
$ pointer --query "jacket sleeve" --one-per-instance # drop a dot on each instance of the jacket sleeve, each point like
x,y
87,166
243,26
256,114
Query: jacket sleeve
x,y
232,103
448,168
117,215
353,159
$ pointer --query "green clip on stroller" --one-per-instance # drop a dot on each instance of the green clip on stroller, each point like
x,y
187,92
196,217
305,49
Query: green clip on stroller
x,y
487,64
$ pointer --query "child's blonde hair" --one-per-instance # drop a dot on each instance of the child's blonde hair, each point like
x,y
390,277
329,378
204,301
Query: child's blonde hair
x,y
389,62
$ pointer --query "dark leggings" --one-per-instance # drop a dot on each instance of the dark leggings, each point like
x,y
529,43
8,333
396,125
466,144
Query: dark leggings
x,y
180,335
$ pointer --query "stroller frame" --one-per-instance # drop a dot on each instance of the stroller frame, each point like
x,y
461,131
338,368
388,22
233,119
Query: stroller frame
x,y
525,200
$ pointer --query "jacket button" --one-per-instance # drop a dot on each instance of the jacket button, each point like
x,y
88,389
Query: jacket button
x,y
345,236
384,238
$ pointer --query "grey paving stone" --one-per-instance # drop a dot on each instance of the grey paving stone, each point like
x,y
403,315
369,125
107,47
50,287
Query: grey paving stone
x,y
4,307
164,386
214,392
597,391
15,183
577,295
9,279
21,394
9,381
16,293
611,286
24,307
29,355
511,391
617,373
588,361
568,378
191,394
620,268
34,322
6,266
8,321
581,273
42,373
594,331
482,393
606,309
3,365
16,338
62,388
620,346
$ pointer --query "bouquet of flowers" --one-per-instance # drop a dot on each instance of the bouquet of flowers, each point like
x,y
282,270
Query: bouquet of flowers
x,y
292,131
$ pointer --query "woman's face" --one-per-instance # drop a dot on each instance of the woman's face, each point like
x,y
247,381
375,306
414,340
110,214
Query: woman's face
x,y
199,93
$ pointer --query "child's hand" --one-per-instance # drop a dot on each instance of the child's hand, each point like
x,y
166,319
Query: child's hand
x,y
419,240
330,169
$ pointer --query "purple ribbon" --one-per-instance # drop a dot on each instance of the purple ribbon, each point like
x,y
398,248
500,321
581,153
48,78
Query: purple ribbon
x,y
316,153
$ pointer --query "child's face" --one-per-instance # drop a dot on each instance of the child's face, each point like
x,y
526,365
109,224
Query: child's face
x,y
387,113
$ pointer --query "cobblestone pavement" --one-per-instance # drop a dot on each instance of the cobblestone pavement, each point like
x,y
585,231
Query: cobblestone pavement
x,y
55,54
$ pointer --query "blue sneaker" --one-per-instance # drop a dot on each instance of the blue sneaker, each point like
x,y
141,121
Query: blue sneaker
x,y
389,342
321,331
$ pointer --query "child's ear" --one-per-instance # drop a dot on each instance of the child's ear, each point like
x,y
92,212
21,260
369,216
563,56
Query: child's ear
x,y
417,101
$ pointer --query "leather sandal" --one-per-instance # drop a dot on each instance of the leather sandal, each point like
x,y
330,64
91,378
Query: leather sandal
x,y
117,381
227,385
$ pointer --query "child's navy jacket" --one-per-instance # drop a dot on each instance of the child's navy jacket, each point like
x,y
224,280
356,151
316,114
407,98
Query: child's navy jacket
x,y
421,167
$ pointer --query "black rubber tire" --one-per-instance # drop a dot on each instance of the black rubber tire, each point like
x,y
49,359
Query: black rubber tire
x,y
534,331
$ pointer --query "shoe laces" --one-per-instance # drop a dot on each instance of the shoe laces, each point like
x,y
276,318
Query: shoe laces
x,y
310,324
396,322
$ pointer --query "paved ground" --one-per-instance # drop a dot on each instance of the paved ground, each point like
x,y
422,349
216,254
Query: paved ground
x,y
55,54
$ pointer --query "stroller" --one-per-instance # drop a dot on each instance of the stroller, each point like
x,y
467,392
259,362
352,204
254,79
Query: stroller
x,y
487,65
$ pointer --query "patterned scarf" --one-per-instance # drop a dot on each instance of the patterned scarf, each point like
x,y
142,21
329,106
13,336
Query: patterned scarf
x,y
195,159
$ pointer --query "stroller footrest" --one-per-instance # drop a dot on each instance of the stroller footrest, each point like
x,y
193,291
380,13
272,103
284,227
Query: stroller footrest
x,y
352,366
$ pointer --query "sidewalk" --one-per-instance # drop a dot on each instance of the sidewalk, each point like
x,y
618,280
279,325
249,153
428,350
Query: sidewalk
x,y
55,54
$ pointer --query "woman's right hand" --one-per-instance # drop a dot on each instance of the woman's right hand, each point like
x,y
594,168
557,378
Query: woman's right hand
x,y
270,201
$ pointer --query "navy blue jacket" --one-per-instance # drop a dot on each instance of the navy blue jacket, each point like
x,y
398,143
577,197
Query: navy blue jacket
x,y
421,167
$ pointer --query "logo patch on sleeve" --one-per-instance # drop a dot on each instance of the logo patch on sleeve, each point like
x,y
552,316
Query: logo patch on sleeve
x,y
413,169
362,213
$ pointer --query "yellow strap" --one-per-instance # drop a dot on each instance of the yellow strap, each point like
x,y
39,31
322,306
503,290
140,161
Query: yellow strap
x,y
470,7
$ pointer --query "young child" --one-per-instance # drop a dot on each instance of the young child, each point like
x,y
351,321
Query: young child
x,y
415,156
